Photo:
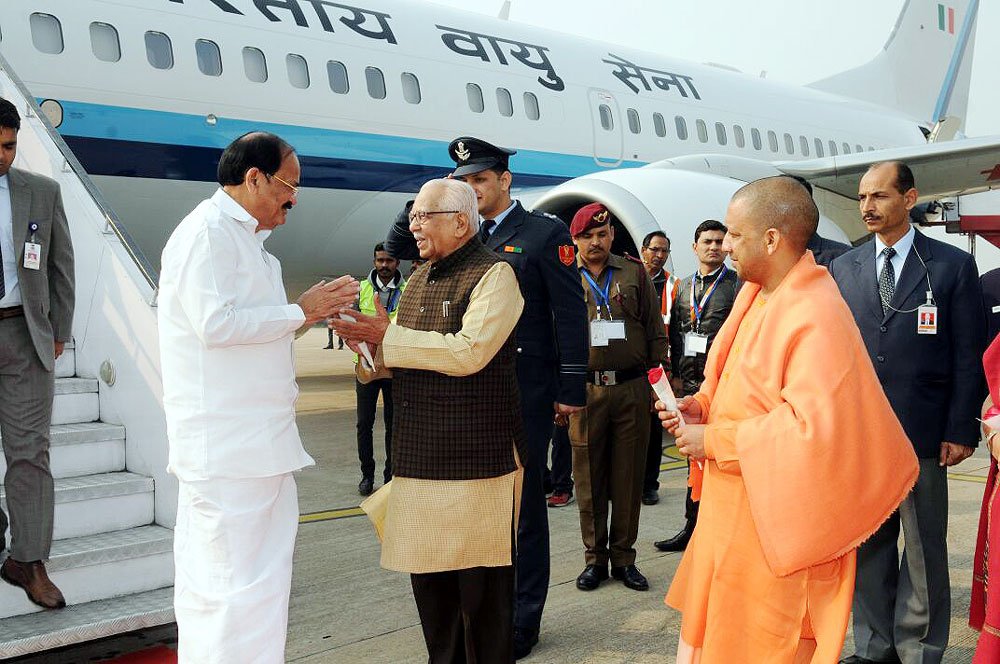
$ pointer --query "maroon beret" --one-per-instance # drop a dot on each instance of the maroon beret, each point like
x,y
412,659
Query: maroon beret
x,y
587,217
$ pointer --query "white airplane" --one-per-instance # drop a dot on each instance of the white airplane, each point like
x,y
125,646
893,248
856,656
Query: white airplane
x,y
147,92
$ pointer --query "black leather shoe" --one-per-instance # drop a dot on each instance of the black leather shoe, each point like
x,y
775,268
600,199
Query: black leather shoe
x,y
591,577
679,541
524,640
366,486
631,577
650,497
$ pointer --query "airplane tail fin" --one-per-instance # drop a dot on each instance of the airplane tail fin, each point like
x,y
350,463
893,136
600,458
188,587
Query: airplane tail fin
x,y
924,68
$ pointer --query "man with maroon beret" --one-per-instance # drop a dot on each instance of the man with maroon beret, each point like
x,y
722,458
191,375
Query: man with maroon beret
x,y
609,437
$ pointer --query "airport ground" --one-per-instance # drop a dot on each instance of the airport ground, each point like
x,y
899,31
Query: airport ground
x,y
345,609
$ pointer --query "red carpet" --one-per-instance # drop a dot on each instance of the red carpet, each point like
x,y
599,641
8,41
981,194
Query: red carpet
x,y
157,655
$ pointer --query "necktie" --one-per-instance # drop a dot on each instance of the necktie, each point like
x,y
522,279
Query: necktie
x,y
3,287
887,279
484,230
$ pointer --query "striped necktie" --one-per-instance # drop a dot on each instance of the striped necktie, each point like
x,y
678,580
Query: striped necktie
x,y
887,279
3,286
484,230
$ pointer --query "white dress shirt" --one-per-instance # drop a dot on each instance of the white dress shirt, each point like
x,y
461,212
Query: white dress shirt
x,y
226,332
902,247
12,298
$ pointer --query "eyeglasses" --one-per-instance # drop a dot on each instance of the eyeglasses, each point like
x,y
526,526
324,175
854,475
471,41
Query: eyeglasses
x,y
295,190
421,217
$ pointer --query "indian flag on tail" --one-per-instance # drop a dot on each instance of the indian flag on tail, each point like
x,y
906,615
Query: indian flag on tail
x,y
946,19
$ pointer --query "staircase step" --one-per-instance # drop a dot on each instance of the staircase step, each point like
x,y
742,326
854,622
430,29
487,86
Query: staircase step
x,y
23,635
101,566
75,401
84,449
66,363
100,503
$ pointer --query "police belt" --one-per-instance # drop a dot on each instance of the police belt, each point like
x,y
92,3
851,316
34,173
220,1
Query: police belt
x,y
11,312
608,378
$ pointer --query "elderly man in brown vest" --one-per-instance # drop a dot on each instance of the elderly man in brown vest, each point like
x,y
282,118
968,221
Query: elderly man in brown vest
x,y
457,431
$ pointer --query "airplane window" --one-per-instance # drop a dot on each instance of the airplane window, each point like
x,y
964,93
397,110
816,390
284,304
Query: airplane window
x,y
531,106
607,120
682,127
104,42
858,148
871,149
847,149
475,95
254,64
659,126
46,33
159,51
819,148
209,57
376,82
755,137
833,149
804,145
789,144
298,70
337,73
741,140
720,133
772,141
633,121
411,88
504,103
702,130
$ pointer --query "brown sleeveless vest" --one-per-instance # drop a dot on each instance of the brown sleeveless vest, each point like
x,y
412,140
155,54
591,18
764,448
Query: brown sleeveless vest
x,y
447,427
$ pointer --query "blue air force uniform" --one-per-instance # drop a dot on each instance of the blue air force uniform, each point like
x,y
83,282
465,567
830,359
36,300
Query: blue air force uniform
x,y
552,347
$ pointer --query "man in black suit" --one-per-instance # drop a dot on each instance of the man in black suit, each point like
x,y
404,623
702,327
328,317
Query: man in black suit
x,y
552,347
918,304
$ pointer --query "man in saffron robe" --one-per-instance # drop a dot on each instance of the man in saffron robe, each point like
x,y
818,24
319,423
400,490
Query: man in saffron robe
x,y
801,453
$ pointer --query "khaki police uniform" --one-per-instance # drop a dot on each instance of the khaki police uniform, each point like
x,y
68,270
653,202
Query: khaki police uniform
x,y
609,437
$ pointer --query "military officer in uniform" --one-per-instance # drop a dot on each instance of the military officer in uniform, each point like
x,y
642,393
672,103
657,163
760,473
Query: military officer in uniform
x,y
610,437
551,347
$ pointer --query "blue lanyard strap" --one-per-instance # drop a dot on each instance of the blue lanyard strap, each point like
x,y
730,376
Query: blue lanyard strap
x,y
602,296
696,307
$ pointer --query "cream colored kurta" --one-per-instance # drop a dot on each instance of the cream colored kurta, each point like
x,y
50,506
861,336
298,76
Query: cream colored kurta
x,y
441,525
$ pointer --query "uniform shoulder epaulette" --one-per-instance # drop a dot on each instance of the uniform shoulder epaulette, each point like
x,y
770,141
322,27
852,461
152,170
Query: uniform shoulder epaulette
x,y
629,257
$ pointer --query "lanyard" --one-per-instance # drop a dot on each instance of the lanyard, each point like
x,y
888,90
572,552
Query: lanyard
x,y
602,296
696,307
393,300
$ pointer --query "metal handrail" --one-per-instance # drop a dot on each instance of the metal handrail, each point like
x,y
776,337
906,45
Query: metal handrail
x,y
110,218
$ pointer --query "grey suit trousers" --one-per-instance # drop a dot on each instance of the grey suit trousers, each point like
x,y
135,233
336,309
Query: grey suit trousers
x,y
26,392
903,609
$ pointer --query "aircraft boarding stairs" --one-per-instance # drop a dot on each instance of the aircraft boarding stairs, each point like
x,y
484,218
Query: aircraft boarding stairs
x,y
114,504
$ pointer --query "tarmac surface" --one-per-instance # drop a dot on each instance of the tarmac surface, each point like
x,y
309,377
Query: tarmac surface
x,y
345,609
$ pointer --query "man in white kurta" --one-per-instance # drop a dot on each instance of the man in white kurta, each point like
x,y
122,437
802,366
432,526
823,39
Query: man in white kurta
x,y
226,331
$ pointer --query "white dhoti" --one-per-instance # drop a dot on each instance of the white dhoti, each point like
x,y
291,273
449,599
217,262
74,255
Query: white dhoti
x,y
233,547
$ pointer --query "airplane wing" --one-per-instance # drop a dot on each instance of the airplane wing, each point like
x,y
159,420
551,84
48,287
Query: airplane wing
x,y
965,166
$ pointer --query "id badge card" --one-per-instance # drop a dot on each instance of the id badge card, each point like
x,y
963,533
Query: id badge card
x,y
32,256
695,344
927,319
602,332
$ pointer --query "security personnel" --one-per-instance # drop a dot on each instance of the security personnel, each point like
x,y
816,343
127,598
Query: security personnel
x,y
386,283
610,437
551,346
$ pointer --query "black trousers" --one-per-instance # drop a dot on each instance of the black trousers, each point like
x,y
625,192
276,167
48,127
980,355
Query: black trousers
x,y
562,461
467,615
654,455
536,382
367,404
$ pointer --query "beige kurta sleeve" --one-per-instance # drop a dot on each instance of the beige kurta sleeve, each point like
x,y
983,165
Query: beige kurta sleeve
x,y
494,308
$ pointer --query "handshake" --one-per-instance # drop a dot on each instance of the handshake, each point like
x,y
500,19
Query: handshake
x,y
326,299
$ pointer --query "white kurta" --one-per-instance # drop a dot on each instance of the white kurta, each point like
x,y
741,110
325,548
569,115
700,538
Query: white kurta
x,y
226,332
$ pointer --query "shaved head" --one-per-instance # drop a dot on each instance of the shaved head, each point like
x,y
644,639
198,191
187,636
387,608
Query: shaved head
x,y
782,203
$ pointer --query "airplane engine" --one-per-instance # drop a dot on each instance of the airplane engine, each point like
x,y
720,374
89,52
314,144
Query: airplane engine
x,y
674,196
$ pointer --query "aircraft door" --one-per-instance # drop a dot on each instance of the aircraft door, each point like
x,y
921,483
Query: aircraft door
x,y
607,128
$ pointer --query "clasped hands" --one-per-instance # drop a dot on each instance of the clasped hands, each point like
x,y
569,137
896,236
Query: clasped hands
x,y
690,438
324,299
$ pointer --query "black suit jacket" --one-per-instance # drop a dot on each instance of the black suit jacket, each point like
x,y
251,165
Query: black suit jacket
x,y
552,330
934,383
825,250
